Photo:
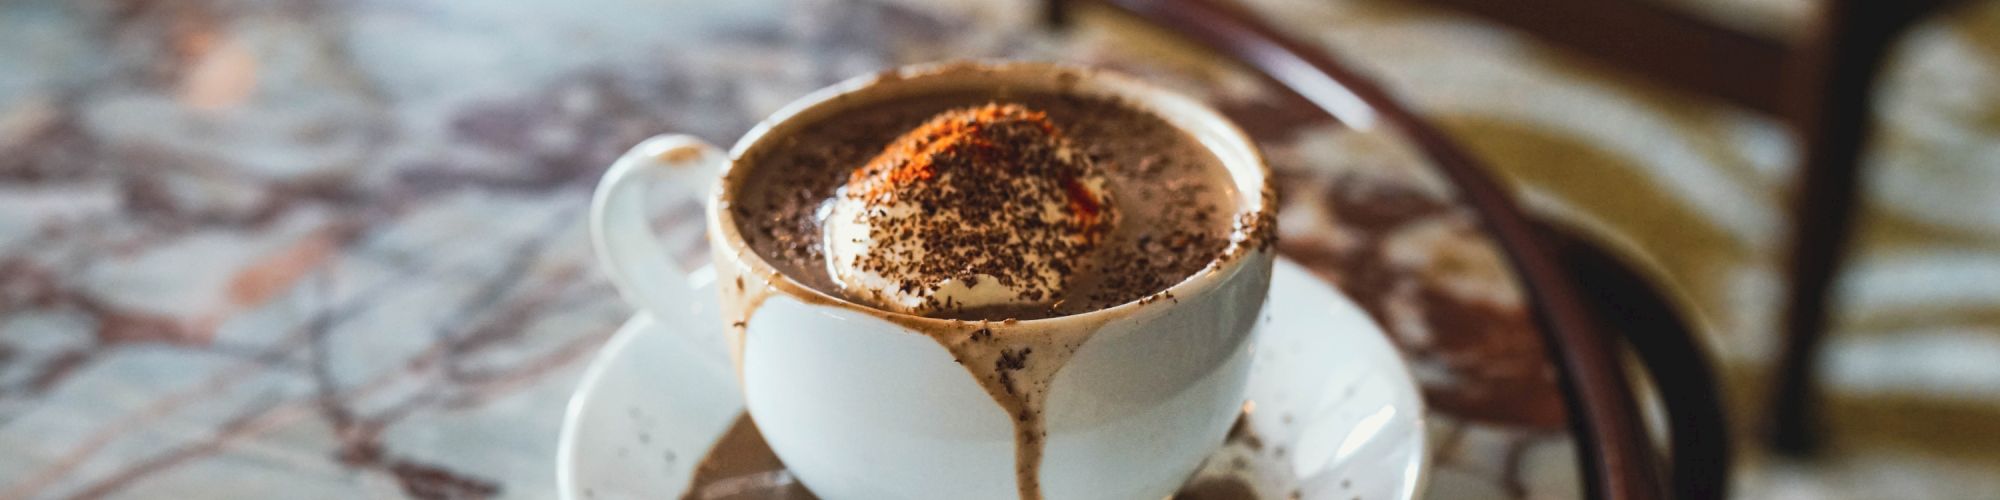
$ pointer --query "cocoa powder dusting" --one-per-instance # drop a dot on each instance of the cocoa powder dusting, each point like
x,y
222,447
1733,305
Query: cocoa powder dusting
x,y
1175,206
982,178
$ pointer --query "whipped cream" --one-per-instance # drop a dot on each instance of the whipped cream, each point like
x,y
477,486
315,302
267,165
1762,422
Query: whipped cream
x,y
978,207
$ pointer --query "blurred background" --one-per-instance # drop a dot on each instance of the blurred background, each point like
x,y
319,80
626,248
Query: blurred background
x,y
333,249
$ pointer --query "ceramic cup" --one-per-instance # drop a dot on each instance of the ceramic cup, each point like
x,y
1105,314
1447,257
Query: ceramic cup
x,y
865,404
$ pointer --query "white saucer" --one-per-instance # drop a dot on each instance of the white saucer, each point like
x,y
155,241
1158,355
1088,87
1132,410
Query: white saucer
x,y
1334,413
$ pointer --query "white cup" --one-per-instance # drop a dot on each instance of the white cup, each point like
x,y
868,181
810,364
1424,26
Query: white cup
x,y
864,404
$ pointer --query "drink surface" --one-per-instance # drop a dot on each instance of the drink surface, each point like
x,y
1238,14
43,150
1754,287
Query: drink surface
x,y
1176,202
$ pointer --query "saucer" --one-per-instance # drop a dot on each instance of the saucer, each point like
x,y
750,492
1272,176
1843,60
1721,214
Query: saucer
x,y
1333,412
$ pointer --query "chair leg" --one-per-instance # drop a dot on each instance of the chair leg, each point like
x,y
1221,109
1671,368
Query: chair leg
x,y
1832,114
1055,14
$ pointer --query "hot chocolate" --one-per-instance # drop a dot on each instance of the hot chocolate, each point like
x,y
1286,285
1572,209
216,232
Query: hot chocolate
x,y
981,205
966,215
1028,221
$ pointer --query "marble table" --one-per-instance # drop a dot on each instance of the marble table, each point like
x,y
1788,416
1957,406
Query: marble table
x,y
301,249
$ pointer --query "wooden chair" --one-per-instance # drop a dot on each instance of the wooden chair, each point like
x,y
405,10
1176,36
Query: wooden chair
x,y
1821,87
1586,335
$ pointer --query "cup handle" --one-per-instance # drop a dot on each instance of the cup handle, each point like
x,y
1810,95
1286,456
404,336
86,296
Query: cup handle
x,y
626,245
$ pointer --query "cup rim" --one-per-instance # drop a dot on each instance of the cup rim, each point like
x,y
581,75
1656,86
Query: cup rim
x,y
722,222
